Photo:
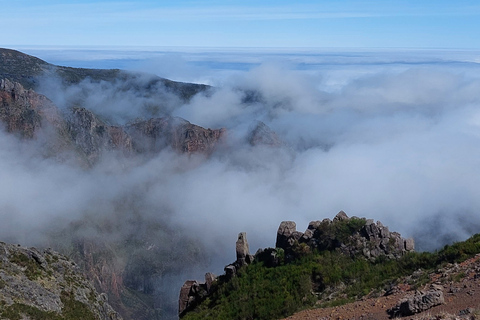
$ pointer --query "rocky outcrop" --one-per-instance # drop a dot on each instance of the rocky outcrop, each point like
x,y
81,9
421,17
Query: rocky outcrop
x,y
193,292
352,236
419,302
243,252
36,284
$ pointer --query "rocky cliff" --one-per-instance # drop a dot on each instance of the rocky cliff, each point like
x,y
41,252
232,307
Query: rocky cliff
x,y
29,115
46,285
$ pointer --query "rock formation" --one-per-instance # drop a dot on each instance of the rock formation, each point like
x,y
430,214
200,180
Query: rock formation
x,y
419,302
243,252
27,114
193,292
45,284
363,237
351,236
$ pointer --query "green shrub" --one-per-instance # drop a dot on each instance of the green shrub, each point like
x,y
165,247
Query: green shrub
x,y
260,292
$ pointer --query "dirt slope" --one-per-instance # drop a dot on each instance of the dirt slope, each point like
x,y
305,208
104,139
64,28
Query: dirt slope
x,y
461,289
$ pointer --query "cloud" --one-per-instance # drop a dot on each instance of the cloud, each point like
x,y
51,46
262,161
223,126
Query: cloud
x,y
396,144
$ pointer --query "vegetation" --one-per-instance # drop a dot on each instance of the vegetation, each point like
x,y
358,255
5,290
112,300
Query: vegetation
x,y
32,270
262,292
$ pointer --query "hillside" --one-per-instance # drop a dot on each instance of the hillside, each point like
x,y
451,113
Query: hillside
x,y
348,268
47,285
29,71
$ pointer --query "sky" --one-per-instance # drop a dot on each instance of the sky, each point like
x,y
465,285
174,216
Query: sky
x,y
312,24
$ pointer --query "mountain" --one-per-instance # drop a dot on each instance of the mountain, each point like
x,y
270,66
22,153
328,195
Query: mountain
x,y
348,268
46,285
121,251
29,71
28,115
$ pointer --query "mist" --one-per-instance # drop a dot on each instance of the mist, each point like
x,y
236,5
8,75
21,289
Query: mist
x,y
396,142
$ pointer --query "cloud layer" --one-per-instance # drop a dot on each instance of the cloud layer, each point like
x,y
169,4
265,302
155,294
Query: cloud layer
x,y
397,143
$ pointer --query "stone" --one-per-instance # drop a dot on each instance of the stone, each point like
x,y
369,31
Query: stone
x,y
307,235
294,237
313,225
41,279
210,278
184,299
242,249
409,244
285,230
230,271
419,302
341,216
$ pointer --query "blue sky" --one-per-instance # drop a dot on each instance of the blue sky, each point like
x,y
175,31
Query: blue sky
x,y
334,24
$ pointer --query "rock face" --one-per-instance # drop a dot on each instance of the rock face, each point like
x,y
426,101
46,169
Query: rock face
x,y
419,302
93,136
46,284
24,112
154,135
28,115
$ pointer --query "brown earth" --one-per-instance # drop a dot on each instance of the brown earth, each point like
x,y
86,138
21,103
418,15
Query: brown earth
x,y
461,289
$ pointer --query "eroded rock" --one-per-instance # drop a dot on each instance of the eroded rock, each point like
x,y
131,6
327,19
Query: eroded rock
x,y
47,281
419,302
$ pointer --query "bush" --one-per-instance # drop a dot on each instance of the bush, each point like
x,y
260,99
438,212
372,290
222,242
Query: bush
x,y
262,292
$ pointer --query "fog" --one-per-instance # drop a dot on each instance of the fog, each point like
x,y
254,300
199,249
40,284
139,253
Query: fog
x,y
393,141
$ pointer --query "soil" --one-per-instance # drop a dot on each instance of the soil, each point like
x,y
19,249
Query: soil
x,y
461,289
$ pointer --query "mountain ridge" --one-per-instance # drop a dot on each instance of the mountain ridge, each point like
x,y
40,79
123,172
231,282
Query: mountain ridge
x,y
29,70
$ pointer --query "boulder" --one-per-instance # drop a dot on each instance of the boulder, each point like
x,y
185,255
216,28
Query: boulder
x,y
285,230
184,299
210,278
419,302
409,244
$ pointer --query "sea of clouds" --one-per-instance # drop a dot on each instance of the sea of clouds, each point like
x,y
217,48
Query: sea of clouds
x,y
389,135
